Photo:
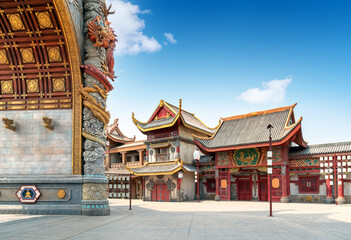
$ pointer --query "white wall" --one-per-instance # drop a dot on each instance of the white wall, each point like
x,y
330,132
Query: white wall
x,y
34,149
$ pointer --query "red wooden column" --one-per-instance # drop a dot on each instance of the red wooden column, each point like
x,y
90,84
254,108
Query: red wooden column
x,y
329,198
108,164
141,157
285,175
284,197
124,157
341,198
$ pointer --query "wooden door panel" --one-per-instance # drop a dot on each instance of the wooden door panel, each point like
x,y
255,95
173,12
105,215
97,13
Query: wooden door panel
x,y
245,190
263,191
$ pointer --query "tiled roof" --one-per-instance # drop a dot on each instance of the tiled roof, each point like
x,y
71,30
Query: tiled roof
x,y
159,168
156,123
132,144
188,118
114,133
250,129
340,147
204,159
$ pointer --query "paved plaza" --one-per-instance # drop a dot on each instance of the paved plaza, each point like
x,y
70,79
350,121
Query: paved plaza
x,y
188,220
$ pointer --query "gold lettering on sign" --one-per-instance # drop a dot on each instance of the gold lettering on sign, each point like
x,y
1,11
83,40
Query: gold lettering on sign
x,y
3,57
32,86
15,22
44,20
58,84
27,55
54,54
6,87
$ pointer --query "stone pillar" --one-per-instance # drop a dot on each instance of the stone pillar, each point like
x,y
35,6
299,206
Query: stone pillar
x,y
341,199
141,157
255,186
329,198
217,197
98,67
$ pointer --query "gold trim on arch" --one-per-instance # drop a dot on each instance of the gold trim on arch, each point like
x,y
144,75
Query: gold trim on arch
x,y
69,34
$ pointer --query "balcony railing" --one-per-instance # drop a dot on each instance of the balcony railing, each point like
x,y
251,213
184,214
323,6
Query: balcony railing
x,y
162,157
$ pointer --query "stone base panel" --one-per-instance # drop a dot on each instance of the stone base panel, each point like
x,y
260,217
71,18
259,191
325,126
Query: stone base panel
x,y
59,195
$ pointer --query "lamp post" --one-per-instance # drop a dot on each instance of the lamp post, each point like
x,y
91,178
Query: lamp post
x,y
197,158
269,169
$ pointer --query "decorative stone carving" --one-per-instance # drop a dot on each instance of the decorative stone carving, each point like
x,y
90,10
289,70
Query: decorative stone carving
x,y
170,184
48,123
8,124
150,185
95,87
95,191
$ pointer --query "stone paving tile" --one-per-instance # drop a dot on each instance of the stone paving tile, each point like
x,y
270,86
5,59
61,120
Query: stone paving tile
x,y
188,220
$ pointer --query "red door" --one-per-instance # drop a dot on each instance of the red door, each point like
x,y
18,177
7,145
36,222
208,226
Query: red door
x,y
245,191
263,190
224,185
161,193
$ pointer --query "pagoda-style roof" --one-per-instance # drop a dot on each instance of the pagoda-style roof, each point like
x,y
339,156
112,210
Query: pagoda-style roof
x,y
250,130
166,115
316,149
166,168
115,134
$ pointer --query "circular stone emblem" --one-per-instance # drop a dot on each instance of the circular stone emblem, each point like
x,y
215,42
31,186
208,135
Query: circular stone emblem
x,y
61,193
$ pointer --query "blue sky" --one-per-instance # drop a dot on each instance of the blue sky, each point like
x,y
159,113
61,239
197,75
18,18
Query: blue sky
x,y
225,58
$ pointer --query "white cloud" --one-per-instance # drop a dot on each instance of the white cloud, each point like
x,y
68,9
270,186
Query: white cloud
x,y
170,38
273,91
129,29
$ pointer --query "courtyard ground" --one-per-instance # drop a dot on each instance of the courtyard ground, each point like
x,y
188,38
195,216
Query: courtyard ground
x,y
189,220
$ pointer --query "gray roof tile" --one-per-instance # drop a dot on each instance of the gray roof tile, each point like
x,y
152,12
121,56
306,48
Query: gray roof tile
x,y
327,148
156,168
249,130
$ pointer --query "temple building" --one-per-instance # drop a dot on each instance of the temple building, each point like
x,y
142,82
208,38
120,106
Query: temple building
x,y
168,173
235,165
123,151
